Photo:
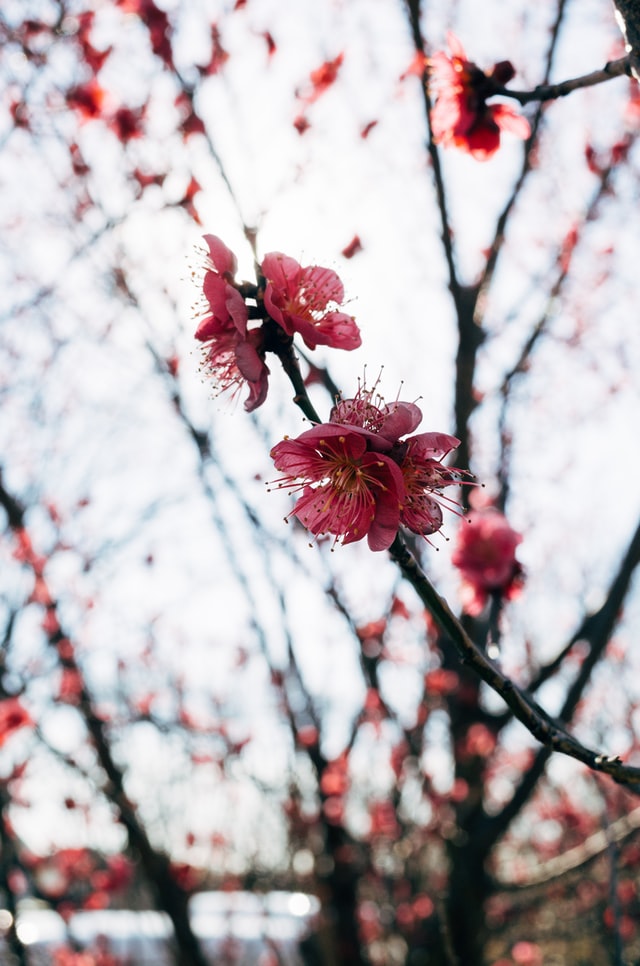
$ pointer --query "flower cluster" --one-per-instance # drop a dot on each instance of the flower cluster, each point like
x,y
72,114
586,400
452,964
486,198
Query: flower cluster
x,y
296,298
485,555
461,117
234,353
359,477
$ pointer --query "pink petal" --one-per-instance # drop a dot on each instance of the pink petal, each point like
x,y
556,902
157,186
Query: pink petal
x,y
297,459
223,259
324,510
237,309
509,120
282,271
455,46
422,515
209,328
336,329
433,446
250,364
403,418
386,523
350,441
323,286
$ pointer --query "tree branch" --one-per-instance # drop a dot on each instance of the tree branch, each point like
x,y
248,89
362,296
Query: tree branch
x,y
551,92
501,224
535,719
170,897
589,850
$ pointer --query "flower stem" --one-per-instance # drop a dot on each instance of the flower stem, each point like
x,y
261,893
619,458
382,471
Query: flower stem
x,y
291,366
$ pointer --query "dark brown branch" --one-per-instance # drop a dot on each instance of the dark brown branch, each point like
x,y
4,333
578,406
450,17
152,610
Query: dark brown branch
x,y
8,864
540,724
595,631
551,92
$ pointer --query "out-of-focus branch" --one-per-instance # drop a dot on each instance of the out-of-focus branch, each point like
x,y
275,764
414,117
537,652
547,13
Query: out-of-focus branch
x,y
571,860
551,92
501,224
596,628
171,898
464,296
8,864
413,11
341,877
564,258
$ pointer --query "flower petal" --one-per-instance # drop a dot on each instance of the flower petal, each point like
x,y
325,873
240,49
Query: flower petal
x,y
224,261
402,418
509,120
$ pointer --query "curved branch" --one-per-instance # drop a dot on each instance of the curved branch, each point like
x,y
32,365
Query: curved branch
x,y
536,720
550,92
579,855
170,897
596,631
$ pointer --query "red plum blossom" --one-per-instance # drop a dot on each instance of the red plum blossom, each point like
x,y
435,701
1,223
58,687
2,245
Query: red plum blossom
x,y
359,478
461,117
485,555
303,299
233,353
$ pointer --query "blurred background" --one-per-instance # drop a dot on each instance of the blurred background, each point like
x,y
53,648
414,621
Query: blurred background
x,y
193,698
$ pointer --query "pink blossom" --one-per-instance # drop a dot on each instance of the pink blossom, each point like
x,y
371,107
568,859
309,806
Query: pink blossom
x,y
485,555
347,490
419,457
461,117
304,299
425,478
233,353
359,478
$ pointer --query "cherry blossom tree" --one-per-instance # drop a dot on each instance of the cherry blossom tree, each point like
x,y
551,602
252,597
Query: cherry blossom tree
x,y
360,277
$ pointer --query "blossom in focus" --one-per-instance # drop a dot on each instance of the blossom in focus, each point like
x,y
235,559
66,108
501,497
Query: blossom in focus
x,y
461,117
233,353
305,299
13,717
348,490
485,555
419,457
425,478
359,478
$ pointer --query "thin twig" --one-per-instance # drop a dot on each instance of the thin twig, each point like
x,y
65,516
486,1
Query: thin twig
x,y
527,165
550,92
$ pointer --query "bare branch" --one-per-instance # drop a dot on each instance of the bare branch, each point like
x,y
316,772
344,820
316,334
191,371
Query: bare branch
x,y
592,847
551,92
501,224
535,719
413,11
170,896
